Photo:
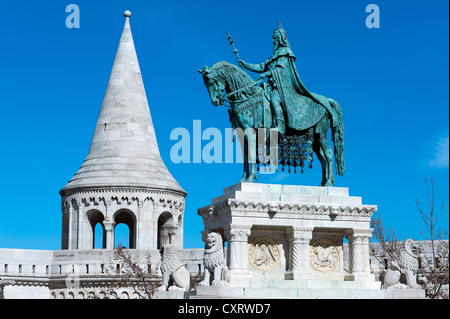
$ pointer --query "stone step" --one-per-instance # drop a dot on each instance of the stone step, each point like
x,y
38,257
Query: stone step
x,y
285,293
303,293
209,292
313,284
313,293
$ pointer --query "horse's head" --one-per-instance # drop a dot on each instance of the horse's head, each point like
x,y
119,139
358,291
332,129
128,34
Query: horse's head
x,y
214,83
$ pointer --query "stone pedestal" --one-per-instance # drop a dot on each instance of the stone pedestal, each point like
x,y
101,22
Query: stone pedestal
x,y
292,232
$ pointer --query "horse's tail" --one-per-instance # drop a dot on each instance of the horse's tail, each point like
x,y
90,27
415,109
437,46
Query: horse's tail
x,y
338,137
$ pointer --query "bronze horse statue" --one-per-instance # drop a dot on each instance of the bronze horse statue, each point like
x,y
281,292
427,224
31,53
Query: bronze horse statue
x,y
250,109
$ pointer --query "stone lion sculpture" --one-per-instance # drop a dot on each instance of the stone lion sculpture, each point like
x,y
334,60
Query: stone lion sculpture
x,y
216,272
407,265
173,271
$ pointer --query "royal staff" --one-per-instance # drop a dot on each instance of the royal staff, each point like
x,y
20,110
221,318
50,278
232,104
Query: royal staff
x,y
235,51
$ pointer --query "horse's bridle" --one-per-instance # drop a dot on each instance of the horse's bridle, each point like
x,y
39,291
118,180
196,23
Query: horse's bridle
x,y
225,98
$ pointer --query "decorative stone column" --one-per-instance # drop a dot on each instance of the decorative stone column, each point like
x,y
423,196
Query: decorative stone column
x,y
81,228
237,253
70,241
299,239
109,229
359,254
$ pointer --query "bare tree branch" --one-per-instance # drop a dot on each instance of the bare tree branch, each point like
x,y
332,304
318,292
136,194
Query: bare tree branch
x,y
435,270
130,274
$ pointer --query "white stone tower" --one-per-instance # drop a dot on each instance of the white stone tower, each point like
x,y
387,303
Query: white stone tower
x,y
123,179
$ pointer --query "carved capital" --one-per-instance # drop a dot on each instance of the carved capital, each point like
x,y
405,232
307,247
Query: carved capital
x,y
299,234
237,232
109,225
359,236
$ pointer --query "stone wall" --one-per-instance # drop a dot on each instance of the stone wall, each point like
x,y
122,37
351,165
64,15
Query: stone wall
x,y
43,274
24,274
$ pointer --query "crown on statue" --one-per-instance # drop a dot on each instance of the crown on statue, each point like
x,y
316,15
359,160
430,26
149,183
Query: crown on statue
x,y
280,31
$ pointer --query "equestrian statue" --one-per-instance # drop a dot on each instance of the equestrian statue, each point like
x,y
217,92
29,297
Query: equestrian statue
x,y
282,106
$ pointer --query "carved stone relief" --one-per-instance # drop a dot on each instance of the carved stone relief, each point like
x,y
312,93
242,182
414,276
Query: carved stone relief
x,y
324,255
263,254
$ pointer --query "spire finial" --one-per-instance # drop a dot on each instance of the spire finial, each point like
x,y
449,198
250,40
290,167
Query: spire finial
x,y
127,14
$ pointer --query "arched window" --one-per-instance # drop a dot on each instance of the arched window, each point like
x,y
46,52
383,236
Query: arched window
x,y
122,236
166,229
126,217
98,234
65,232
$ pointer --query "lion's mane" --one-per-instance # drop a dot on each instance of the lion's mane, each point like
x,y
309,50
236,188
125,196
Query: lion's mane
x,y
213,256
408,258
170,261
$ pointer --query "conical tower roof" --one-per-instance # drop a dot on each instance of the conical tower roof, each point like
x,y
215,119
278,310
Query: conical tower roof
x,y
124,151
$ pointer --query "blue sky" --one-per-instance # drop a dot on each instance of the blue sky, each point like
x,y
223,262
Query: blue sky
x,y
391,82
